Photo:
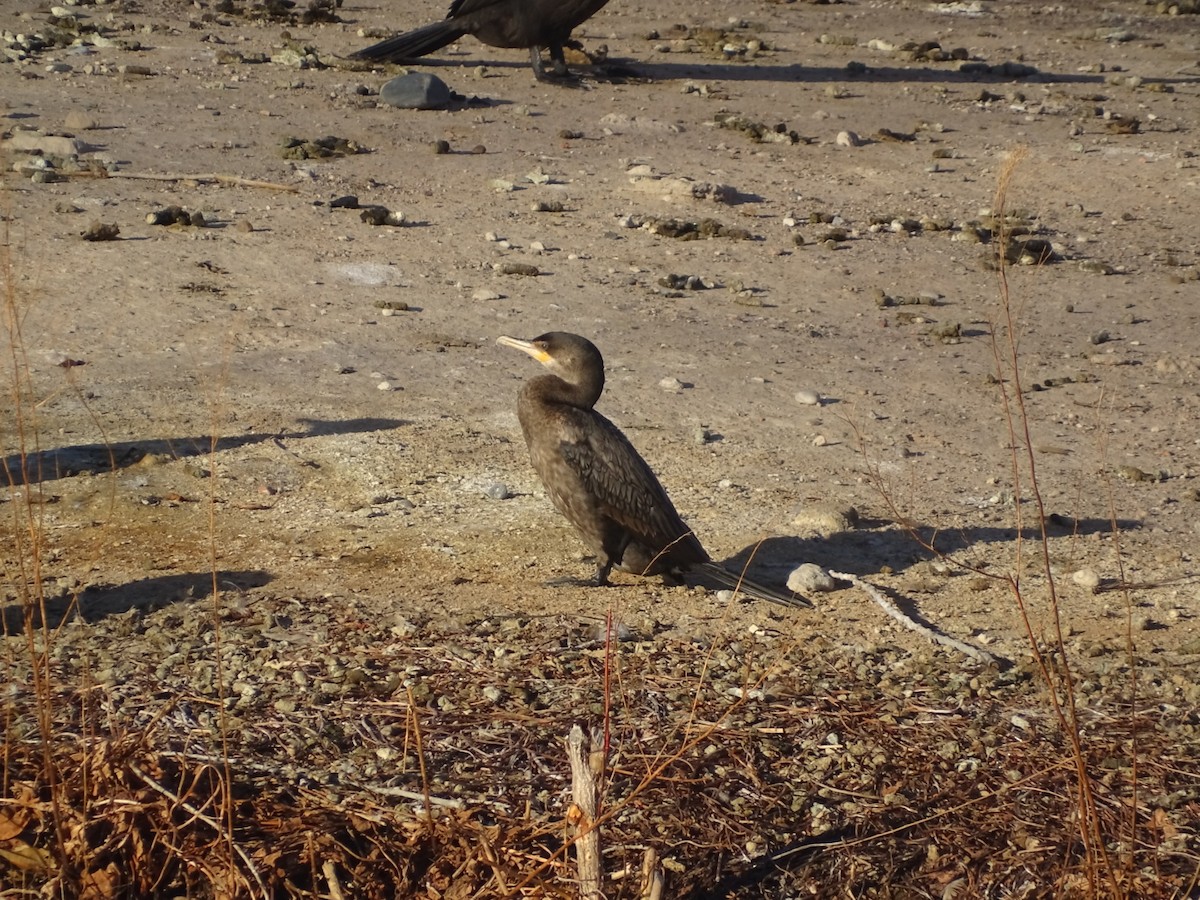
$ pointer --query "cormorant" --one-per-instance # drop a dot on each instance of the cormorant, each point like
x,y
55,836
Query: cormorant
x,y
596,478
499,23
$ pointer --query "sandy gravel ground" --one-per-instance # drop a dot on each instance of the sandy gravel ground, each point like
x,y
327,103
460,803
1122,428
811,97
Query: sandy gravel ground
x,y
316,407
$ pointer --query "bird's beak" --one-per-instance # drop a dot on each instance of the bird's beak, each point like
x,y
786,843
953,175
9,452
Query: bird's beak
x,y
525,347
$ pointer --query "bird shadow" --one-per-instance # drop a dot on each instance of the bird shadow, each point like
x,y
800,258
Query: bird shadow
x,y
99,601
795,72
622,69
64,462
877,544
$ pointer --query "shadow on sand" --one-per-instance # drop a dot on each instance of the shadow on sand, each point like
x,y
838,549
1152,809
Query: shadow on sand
x,y
64,462
100,601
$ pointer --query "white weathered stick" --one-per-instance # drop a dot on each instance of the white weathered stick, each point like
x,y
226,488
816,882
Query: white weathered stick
x,y
652,877
583,814
896,613
204,178
212,823
331,878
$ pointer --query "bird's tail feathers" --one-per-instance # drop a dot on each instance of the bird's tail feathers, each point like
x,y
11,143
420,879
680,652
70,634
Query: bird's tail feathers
x,y
738,582
412,44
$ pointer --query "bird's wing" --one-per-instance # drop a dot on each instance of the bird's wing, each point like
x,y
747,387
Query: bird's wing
x,y
622,483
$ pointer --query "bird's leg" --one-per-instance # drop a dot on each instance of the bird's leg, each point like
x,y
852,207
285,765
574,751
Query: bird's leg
x,y
535,60
602,571
560,62
558,73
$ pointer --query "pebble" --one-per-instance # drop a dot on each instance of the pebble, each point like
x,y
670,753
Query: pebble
x,y
848,139
809,578
808,398
417,90
671,384
384,386
497,490
379,215
517,268
484,295
1086,578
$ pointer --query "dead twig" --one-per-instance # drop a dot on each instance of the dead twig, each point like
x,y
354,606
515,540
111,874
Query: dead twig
x,y
206,819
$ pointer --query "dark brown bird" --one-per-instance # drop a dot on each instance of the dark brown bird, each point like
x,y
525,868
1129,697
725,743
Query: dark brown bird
x,y
499,23
598,480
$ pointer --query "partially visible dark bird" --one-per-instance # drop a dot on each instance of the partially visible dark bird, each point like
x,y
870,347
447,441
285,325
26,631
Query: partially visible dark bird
x,y
598,480
499,23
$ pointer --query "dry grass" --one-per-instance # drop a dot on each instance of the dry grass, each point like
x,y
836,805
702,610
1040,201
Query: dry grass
x,y
822,781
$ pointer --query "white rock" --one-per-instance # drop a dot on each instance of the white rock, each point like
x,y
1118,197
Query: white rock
x,y
809,578
808,398
848,139
671,384
1086,578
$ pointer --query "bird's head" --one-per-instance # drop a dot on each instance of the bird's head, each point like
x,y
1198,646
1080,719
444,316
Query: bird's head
x,y
572,358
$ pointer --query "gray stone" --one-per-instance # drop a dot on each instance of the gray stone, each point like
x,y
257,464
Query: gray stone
x,y
417,90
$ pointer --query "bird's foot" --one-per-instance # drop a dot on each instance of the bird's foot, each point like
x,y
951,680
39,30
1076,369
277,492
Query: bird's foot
x,y
558,73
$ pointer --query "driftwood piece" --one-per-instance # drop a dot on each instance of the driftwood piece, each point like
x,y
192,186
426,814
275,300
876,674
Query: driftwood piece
x,y
582,814
936,637
200,178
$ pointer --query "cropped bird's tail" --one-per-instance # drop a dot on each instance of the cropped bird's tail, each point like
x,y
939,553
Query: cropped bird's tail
x,y
734,581
412,44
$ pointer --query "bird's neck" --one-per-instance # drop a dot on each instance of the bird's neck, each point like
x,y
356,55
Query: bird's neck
x,y
552,389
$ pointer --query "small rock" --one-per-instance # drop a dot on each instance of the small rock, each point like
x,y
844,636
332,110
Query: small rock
x,y
483,295
441,147
674,385
848,139
808,398
497,490
517,268
826,520
1134,474
101,231
169,215
1087,579
78,120
809,578
417,90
